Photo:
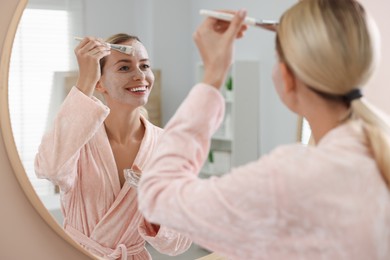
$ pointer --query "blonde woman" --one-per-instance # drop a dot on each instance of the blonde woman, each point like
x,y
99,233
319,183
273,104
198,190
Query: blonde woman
x,y
328,201
90,145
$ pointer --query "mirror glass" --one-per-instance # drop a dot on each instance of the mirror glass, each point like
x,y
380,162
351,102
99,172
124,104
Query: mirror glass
x,y
43,68
40,65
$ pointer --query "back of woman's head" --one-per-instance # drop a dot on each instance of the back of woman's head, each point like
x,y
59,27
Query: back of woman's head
x,y
333,46
328,44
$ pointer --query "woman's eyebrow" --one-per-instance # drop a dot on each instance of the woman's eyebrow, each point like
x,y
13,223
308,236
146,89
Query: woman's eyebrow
x,y
130,61
123,60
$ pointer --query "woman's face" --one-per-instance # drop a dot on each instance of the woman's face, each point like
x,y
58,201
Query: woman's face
x,y
127,79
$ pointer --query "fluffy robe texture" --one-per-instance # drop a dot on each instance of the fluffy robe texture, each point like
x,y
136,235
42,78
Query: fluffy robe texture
x,y
324,202
76,155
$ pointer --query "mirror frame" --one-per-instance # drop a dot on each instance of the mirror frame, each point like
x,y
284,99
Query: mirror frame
x,y
9,142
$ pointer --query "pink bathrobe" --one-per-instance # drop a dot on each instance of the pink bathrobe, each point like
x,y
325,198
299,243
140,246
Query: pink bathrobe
x,y
327,202
76,155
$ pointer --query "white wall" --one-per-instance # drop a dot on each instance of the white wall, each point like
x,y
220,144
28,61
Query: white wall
x,y
166,28
277,124
172,42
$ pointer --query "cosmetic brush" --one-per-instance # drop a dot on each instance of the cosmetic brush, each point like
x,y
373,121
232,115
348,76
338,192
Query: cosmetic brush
x,y
265,24
127,49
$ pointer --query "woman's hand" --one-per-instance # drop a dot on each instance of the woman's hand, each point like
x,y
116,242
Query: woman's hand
x,y
89,52
215,41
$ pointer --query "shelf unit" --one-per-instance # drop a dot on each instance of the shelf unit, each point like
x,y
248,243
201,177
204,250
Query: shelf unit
x,y
237,141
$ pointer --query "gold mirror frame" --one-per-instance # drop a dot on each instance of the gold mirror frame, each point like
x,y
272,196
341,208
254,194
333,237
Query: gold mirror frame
x,y
8,38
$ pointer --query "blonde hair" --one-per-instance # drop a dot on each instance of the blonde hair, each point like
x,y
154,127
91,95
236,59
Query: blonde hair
x,y
333,47
117,39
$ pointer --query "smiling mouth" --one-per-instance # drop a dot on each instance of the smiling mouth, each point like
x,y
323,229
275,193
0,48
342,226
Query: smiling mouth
x,y
137,89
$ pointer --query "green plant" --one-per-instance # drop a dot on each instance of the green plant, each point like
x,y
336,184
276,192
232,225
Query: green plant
x,y
229,83
211,157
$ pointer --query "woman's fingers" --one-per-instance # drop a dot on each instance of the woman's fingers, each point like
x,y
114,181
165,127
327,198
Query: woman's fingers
x,y
92,46
89,52
237,26
221,26
215,41
99,51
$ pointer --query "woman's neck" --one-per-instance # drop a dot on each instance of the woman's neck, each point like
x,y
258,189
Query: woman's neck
x,y
322,114
124,126
325,118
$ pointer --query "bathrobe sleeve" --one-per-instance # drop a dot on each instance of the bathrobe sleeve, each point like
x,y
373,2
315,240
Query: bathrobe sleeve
x,y
216,213
323,202
75,124
170,193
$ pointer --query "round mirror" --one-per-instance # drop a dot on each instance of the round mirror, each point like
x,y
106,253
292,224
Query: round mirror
x,y
11,14
42,71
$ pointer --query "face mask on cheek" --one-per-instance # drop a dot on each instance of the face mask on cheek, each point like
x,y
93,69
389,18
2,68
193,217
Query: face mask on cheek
x,y
112,82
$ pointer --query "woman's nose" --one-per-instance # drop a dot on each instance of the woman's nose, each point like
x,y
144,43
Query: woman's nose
x,y
138,75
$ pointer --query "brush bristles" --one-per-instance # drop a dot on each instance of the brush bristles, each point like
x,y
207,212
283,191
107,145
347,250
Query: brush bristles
x,y
122,48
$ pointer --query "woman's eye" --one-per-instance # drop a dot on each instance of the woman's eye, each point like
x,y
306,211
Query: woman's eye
x,y
124,68
145,66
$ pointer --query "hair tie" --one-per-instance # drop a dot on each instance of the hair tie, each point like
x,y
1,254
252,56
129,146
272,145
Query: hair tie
x,y
352,95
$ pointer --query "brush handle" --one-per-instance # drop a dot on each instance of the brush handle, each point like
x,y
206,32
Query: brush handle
x,y
228,17
225,16
80,39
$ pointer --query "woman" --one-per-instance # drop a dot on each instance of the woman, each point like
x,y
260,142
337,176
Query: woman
x,y
90,145
328,201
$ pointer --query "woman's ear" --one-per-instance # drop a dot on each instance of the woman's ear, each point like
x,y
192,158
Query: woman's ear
x,y
288,77
99,88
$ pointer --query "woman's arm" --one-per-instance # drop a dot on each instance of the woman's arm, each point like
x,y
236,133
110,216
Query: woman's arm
x,y
216,213
189,131
78,120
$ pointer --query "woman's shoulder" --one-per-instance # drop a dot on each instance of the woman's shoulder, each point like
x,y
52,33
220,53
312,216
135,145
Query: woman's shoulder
x,y
342,149
294,150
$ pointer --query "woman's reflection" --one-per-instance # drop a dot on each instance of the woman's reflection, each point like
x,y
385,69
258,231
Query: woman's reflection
x,y
90,144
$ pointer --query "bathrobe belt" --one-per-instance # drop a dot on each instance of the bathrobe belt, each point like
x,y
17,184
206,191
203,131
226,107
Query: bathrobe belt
x,y
120,252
